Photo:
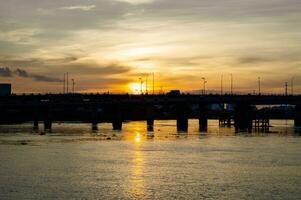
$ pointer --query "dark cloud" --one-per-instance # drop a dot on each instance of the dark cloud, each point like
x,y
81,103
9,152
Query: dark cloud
x,y
35,77
5,72
40,78
253,60
70,64
36,62
267,57
21,73
49,69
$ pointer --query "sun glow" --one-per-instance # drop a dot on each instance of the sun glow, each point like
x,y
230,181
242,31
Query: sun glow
x,y
136,52
135,88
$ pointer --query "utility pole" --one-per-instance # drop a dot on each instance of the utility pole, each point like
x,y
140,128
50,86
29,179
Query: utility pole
x,y
204,85
222,84
285,88
153,83
64,88
73,83
67,82
231,89
292,86
259,85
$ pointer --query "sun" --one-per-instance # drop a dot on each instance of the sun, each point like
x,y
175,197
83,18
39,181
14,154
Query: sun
x,y
135,88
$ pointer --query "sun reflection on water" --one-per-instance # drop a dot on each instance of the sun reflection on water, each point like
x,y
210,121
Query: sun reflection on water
x,y
137,177
137,138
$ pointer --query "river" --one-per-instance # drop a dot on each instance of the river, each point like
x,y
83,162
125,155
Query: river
x,y
74,162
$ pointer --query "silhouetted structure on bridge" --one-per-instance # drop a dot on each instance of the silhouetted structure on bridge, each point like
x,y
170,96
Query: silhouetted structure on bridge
x,y
5,89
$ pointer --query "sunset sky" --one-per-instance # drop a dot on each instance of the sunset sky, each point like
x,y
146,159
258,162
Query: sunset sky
x,y
108,44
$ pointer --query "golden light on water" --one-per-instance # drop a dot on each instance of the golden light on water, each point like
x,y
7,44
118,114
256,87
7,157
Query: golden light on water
x,y
137,173
134,132
137,138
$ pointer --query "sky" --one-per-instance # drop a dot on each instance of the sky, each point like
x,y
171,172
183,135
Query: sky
x,y
107,45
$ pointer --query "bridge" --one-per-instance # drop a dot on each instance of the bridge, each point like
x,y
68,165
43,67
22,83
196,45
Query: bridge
x,y
98,108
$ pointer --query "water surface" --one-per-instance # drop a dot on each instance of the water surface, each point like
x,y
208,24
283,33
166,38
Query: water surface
x,y
74,162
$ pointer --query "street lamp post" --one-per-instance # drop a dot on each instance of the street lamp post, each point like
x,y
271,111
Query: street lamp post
x,y
141,83
67,76
64,90
286,88
153,83
259,85
146,86
73,84
204,85
222,77
231,84
292,86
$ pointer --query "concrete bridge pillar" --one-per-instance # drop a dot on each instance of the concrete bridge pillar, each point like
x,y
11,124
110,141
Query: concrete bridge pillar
x,y
47,119
182,124
243,117
298,115
96,117
94,126
203,118
182,117
150,124
47,125
203,123
36,118
36,125
229,121
117,124
116,116
150,118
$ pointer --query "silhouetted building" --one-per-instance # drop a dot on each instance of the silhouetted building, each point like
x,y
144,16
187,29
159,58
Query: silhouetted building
x,y
5,89
174,92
